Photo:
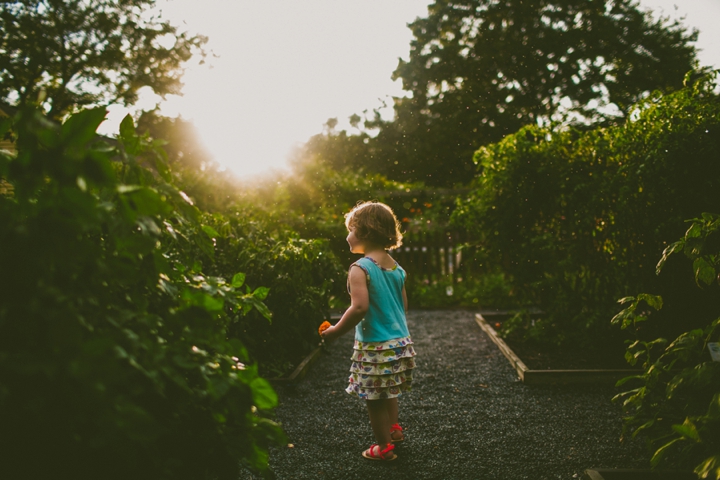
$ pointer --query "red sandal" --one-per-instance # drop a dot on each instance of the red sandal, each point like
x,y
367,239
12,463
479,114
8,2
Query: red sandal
x,y
396,428
382,454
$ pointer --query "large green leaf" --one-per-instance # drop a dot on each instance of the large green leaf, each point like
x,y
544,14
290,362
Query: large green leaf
x,y
80,128
203,300
206,244
687,430
238,280
210,231
655,301
161,164
144,200
662,451
709,468
669,250
128,136
261,293
704,272
263,394
261,307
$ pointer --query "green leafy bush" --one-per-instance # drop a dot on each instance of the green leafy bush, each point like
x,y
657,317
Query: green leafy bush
x,y
676,404
304,276
575,217
313,201
484,290
115,359
253,228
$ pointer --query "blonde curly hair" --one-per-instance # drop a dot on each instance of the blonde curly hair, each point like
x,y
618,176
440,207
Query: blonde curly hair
x,y
375,222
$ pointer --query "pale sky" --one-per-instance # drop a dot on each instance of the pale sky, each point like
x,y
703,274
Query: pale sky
x,y
283,68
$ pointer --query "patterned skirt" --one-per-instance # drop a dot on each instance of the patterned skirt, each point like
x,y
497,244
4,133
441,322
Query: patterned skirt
x,y
381,369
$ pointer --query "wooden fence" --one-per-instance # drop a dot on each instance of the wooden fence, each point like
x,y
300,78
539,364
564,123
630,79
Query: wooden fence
x,y
435,255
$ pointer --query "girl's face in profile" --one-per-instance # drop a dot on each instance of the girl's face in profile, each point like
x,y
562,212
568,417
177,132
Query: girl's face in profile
x,y
354,242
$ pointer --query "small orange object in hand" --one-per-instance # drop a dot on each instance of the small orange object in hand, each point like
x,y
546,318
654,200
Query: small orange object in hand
x,y
323,326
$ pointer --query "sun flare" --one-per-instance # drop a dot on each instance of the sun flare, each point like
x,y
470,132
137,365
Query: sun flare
x,y
277,72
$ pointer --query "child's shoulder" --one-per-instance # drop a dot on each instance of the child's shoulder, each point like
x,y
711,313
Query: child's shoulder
x,y
387,264
363,264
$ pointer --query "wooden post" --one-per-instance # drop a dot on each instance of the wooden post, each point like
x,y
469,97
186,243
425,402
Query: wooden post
x,y
424,260
432,251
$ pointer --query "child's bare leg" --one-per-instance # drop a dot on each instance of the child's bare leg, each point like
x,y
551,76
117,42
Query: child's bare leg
x,y
378,410
392,408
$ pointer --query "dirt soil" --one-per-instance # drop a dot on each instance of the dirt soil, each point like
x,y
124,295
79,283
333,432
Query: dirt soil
x,y
543,357
552,359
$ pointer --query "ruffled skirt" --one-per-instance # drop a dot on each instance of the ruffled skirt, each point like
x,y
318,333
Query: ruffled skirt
x,y
381,369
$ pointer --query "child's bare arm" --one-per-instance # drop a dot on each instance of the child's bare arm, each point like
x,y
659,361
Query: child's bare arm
x,y
405,300
359,303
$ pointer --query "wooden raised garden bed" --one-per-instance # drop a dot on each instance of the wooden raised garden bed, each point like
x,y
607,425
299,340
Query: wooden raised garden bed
x,y
543,377
302,368
623,474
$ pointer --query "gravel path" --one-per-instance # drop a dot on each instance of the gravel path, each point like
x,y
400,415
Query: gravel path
x,y
468,417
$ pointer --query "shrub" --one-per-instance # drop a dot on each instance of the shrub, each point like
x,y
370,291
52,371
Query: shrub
x,y
315,198
576,217
115,360
484,290
676,404
304,276
252,228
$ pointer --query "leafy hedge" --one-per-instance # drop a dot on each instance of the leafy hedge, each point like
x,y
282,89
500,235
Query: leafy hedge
x,y
303,274
482,290
676,405
120,310
576,217
261,230
313,201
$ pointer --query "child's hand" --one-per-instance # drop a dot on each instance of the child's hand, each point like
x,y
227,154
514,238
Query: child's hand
x,y
323,326
325,335
324,331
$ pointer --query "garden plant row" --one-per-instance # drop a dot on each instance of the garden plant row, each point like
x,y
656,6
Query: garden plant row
x,y
131,321
577,218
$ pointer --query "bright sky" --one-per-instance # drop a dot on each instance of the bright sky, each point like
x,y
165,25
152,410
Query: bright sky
x,y
283,68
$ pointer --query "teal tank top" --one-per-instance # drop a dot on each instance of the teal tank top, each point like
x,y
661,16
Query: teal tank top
x,y
385,318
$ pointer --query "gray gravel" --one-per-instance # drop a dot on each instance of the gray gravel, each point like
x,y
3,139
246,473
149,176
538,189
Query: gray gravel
x,y
468,417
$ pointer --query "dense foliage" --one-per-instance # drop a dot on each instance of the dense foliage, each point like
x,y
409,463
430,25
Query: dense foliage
x,y
484,290
314,197
676,405
323,187
576,217
304,277
254,229
73,53
122,309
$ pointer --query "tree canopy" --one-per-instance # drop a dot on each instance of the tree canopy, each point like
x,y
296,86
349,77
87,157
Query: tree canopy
x,y
481,69
72,53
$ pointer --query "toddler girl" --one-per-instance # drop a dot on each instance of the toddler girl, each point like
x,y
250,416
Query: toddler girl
x,y
382,360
